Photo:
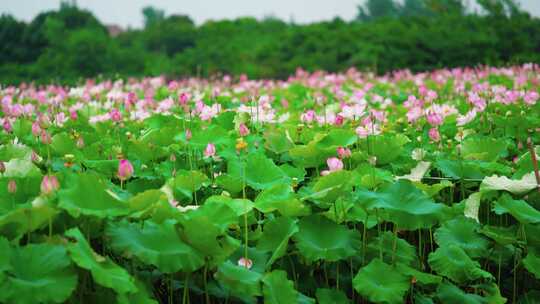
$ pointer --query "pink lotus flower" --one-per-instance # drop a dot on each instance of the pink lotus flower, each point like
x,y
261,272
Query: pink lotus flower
x,y
12,186
125,169
243,130
434,119
210,150
334,164
49,184
247,263
434,134
115,115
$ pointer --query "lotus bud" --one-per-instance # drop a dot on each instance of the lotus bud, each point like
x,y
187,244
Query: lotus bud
x,y
36,129
2,167
125,169
343,152
247,263
80,143
7,126
49,184
12,186
45,137
210,150
35,157
243,130
188,134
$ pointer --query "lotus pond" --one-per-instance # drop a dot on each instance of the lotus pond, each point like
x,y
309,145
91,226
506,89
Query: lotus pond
x,y
324,188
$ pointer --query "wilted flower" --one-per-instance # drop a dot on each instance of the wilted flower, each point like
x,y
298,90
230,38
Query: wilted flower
x,y
210,150
49,184
12,186
247,263
125,169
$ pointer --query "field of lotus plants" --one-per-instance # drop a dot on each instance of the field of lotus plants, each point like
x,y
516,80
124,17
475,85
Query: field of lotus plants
x,y
325,188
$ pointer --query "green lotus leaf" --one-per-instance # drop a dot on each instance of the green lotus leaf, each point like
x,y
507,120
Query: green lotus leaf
x,y
463,232
155,244
88,195
12,151
472,206
417,173
240,281
277,141
459,169
321,239
272,198
21,168
370,177
142,296
240,206
520,186
213,134
39,273
381,283
16,223
449,293
387,148
331,296
483,148
404,252
5,255
328,188
296,174
501,235
187,182
421,278
261,172
63,144
519,209
104,271
434,189
338,138
403,204
276,235
532,264
452,261
204,228
310,156
278,289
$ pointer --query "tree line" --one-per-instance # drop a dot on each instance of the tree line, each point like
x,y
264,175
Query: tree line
x,y
70,44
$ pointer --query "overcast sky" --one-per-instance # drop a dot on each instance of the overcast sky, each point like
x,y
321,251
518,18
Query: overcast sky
x,y
128,12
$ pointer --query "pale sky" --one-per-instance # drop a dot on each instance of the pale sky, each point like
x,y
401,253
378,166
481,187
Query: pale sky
x,y
128,12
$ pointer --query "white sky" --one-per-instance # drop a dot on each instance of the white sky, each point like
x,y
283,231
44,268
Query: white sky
x,y
128,12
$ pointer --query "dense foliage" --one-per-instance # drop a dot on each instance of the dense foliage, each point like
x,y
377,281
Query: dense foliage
x,y
336,188
70,44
